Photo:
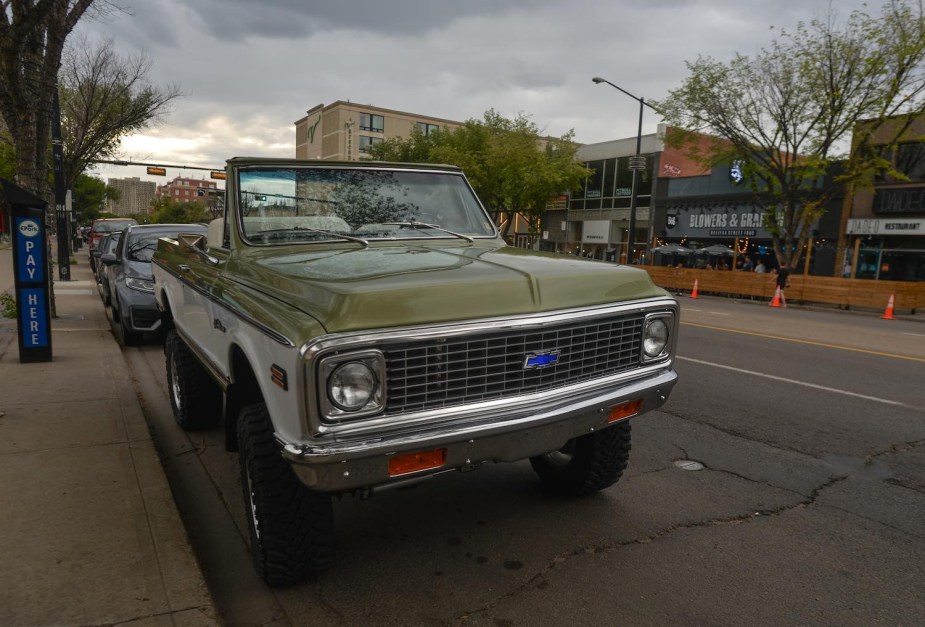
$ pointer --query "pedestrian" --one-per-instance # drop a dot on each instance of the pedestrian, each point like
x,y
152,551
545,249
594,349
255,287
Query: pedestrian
x,y
760,269
747,265
782,279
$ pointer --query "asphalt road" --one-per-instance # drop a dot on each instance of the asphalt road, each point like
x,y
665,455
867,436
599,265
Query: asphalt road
x,y
809,507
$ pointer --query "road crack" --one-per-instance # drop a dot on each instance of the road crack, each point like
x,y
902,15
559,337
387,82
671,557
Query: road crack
x,y
614,546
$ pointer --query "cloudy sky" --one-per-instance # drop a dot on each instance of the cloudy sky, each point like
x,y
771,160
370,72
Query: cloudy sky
x,y
251,69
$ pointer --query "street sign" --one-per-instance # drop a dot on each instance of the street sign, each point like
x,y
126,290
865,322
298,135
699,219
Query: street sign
x,y
157,171
217,175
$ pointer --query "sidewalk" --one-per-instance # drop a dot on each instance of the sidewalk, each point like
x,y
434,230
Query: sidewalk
x,y
89,531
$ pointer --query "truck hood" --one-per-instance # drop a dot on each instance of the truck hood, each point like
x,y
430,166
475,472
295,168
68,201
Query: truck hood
x,y
412,284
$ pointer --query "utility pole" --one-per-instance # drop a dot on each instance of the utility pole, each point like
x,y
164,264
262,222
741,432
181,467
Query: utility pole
x,y
61,216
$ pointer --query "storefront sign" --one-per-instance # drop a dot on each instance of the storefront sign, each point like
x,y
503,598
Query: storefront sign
x,y
715,221
896,226
595,232
906,200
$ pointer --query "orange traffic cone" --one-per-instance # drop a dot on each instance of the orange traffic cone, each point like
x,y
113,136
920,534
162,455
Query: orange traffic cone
x,y
888,314
776,301
694,293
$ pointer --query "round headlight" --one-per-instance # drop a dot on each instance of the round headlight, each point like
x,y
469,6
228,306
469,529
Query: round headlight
x,y
656,337
351,386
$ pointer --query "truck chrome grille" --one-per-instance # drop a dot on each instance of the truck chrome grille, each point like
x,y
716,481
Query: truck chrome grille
x,y
429,374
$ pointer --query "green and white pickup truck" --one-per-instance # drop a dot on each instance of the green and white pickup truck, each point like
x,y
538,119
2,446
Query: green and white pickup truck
x,y
357,326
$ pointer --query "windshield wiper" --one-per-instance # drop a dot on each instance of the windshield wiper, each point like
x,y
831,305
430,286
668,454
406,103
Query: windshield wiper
x,y
348,238
436,227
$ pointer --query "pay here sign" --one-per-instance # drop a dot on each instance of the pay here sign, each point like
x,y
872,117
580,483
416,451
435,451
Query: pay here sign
x,y
30,270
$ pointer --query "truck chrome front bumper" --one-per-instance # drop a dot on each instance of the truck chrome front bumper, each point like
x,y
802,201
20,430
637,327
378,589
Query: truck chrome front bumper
x,y
507,435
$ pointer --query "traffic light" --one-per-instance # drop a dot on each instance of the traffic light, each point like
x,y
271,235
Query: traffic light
x,y
157,171
217,175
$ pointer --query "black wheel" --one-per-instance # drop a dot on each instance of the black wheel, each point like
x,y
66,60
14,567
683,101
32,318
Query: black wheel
x,y
194,396
291,527
129,337
586,464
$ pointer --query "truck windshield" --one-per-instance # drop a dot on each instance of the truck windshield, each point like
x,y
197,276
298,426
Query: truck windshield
x,y
285,205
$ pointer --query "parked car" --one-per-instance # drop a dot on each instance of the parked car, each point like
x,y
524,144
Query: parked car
x,y
102,226
131,283
107,245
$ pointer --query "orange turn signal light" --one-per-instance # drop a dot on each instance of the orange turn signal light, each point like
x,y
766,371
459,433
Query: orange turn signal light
x,y
624,410
413,462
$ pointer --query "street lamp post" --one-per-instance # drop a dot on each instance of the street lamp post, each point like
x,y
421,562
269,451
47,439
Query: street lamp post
x,y
637,163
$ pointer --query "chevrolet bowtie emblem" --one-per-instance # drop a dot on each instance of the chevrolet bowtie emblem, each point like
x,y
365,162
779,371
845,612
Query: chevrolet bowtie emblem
x,y
541,360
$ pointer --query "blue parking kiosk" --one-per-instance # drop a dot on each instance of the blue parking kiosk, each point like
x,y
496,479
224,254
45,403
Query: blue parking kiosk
x,y
30,269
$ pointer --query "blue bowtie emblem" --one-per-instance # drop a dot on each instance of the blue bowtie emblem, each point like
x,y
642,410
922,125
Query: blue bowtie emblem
x,y
541,360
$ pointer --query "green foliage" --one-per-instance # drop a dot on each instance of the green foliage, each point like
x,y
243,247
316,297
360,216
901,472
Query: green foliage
x,y
415,149
790,110
510,165
7,154
7,305
169,211
90,196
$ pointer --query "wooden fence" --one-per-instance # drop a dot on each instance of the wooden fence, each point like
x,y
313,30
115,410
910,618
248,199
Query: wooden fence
x,y
846,293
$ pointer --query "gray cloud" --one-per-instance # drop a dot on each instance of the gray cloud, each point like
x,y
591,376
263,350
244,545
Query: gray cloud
x,y
296,18
251,69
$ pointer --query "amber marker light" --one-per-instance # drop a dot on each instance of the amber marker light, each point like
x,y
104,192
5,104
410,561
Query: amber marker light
x,y
413,462
624,410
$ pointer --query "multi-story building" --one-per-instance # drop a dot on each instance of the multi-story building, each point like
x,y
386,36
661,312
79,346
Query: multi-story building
x,y
344,130
884,236
135,196
187,189
679,201
594,221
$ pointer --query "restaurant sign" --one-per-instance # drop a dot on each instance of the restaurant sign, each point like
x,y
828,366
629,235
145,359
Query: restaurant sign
x,y
715,222
896,226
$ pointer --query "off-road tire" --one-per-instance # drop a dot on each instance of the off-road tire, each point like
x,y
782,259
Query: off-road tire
x,y
586,464
195,398
296,524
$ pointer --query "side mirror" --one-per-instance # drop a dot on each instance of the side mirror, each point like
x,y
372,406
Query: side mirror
x,y
196,243
109,259
192,241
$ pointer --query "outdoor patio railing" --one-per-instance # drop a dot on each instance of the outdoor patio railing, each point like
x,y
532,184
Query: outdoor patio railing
x,y
845,293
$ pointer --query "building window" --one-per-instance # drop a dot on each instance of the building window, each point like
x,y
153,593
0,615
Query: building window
x,y
370,122
910,160
366,142
426,128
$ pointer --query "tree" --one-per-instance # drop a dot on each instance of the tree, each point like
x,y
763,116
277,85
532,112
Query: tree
x,y
104,97
416,148
169,211
32,36
787,112
90,196
513,169
7,154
